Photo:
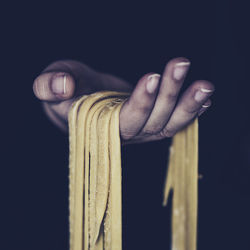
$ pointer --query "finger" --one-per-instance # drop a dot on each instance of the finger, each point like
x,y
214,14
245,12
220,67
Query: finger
x,y
205,107
142,138
63,81
188,107
136,110
87,79
80,79
170,85
54,86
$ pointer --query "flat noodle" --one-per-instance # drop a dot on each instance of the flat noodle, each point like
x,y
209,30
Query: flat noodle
x,y
72,176
95,177
182,178
113,220
103,168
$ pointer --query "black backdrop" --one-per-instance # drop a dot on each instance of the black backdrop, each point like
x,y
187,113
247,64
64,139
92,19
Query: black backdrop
x,y
126,39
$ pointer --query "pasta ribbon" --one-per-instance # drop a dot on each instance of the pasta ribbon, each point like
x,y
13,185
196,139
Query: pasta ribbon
x,y
95,176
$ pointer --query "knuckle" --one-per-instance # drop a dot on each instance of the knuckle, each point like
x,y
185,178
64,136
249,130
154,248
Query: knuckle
x,y
167,132
139,106
152,131
171,97
127,135
191,110
144,108
148,132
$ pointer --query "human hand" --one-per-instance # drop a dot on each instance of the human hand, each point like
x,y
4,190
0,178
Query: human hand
x,y
155,109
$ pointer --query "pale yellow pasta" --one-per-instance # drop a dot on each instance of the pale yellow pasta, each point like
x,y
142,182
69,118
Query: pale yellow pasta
x,y
95,180
182,178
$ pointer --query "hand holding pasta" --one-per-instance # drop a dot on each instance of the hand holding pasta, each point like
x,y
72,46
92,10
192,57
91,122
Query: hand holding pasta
x,y
154,110
102,110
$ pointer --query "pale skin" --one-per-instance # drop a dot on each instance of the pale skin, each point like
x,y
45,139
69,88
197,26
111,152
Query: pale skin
x,y
154,110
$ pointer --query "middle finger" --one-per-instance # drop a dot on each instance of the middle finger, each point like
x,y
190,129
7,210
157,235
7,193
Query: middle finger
x,y
171,82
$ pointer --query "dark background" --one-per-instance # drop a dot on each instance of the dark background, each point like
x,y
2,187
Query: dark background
x,y
127,39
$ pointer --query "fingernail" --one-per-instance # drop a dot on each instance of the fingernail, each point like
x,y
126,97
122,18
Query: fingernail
x,y
59,84
206,90
202,110
202,94
205,106
152,83
180,70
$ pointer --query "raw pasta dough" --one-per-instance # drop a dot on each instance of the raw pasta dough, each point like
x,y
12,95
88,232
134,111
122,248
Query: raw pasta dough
x,y
182,178
95,176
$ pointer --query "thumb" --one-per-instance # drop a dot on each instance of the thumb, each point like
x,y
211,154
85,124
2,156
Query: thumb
x,y
63,80
54,86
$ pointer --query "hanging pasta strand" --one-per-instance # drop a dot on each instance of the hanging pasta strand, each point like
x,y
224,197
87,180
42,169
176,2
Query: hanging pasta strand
x,y
95,176
182,178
